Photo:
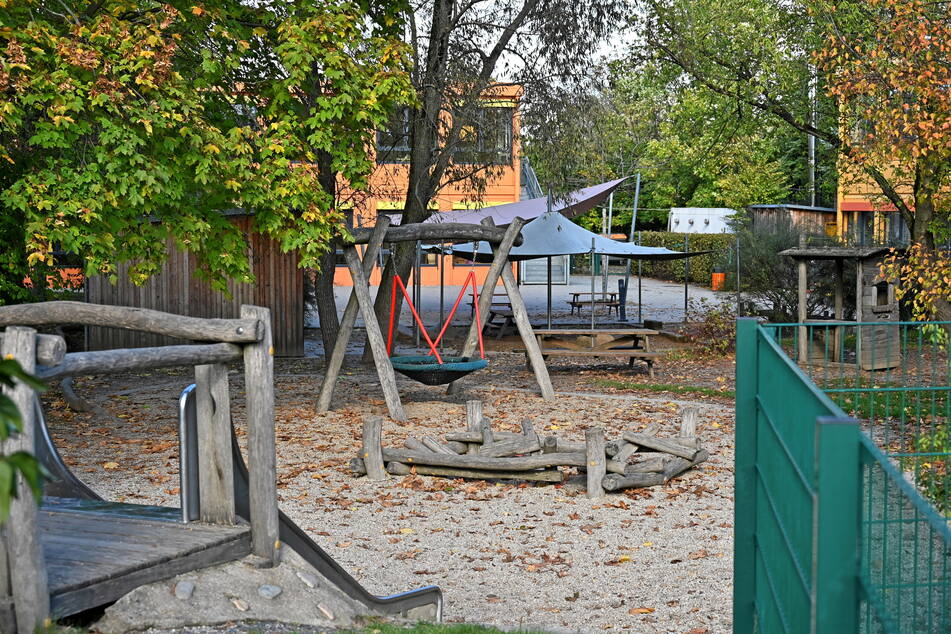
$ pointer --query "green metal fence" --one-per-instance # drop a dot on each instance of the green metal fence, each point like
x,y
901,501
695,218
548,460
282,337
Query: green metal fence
x,y
833,452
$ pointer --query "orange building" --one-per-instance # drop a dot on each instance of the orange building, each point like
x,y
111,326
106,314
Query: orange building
x,y
490,140
863,216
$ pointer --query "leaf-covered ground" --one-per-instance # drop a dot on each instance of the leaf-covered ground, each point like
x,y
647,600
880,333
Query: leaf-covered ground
x,y
505,554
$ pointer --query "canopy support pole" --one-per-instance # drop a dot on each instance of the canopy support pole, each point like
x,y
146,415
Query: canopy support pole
x,y
592,283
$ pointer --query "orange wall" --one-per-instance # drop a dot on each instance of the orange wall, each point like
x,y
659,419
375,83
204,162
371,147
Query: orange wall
x,y
389,182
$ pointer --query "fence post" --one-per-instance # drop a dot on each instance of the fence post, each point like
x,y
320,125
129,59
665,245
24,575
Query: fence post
x,y
836,525
744,514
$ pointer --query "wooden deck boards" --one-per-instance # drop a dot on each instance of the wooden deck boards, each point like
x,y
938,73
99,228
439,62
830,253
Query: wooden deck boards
x,y
98,551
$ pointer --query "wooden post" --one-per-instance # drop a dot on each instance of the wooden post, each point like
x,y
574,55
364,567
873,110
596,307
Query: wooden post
x,y
532,352
473,421
335,360
803,349
373,447
262,459
28,581
594,441
488,289
859,313
215,467
384,369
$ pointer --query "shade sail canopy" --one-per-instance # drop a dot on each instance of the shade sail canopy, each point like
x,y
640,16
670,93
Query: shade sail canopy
x,y
571,205
552,234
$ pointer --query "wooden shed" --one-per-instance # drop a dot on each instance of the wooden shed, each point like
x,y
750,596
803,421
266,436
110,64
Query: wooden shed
x,y
805,219
279,286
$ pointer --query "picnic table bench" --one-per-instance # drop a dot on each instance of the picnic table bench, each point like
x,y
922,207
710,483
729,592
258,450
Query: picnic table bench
x,y
581,299
631,343
501,317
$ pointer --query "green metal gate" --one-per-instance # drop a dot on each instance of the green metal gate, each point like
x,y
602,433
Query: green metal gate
x,y
831,535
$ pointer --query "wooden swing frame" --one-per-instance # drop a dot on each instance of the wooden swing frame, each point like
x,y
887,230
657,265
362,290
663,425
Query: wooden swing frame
x,y
360,301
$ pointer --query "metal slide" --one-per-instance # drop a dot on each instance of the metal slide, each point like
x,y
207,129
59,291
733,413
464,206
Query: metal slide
x,y
420,604
424,604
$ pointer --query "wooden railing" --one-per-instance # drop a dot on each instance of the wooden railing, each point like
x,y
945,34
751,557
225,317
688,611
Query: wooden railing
x,y
25,586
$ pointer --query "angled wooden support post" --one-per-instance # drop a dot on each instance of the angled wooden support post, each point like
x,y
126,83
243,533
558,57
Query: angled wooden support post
x,y
262,459
335,360
24,556
499,261
215,467
384,368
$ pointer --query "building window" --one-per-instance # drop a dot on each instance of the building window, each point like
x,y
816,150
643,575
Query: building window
x,y
486,138
393,142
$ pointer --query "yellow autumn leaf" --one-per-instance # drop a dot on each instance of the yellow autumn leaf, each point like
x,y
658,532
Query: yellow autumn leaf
x,y
110,465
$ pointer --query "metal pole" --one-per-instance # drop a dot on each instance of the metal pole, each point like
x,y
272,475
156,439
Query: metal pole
x,y
416,293
549,265
442,284
630,238
738,311
592,283
686,273
640,280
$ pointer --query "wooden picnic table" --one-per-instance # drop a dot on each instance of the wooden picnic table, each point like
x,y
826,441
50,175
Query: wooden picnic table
x,y
631,343
580,299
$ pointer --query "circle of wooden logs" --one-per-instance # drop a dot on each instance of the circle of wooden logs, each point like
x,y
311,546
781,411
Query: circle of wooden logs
x,y
636,459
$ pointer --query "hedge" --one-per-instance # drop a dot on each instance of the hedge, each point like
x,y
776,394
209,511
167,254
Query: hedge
x,y
701,266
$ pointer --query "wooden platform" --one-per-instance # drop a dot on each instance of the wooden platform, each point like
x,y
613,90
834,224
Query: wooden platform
x,y
96,552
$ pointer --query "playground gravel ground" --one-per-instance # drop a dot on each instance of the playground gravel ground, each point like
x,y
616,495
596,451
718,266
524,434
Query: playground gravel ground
x,y
506,554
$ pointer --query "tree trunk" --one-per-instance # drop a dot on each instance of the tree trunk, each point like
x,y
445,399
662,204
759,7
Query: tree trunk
x,y
323,288
324,282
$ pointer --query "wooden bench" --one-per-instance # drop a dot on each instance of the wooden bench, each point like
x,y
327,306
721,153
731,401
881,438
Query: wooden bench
x,y
609,299
630,343
507,320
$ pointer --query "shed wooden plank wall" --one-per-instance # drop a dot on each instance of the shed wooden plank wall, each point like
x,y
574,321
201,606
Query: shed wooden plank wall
x,y
279,286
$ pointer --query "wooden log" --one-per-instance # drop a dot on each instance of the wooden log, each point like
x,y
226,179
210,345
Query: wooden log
x,y
614,482
532,351
414,444
262,459
345,331
549,444
215,466
688,427
373,447
125,359
475,437
129,318
568,446
357,466
594,439
381,359
522,463
50,349
622,450
485,428
473,424
613,466
545,475
488,286
435,446
660,444
651,464
528,430
24,554
436,232
505,448
457,447
676,466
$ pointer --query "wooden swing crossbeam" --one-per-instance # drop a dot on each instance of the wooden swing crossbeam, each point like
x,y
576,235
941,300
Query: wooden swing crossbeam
x,y
502,240
435,232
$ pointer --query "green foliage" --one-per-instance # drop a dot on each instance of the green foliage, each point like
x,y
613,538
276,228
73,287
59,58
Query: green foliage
x,y
714,326
667,388
131,122
11,423
932,471
701,266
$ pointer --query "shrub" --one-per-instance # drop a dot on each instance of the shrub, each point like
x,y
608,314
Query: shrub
x,y
701,266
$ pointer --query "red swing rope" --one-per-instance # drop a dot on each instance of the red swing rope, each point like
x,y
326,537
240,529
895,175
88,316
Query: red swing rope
x,y
398,282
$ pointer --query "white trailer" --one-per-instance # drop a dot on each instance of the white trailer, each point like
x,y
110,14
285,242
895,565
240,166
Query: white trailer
x,y
699,219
